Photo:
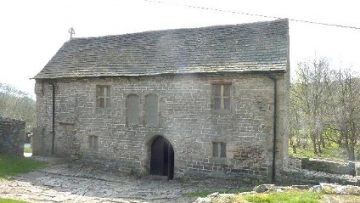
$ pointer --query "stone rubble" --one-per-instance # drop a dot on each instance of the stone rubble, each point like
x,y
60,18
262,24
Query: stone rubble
x,y
328,188
325,188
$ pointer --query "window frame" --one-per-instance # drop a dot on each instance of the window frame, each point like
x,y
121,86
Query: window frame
x,y
146,102
221,96
219,150
127,113
93,142
103,92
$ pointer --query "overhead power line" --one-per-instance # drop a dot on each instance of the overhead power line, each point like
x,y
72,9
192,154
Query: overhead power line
x,y
258,15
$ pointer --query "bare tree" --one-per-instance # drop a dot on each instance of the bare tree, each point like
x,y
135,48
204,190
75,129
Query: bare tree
x,y
312,94
346,110
295,121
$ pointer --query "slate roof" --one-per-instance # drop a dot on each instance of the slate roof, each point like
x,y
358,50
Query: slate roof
x,y
252,47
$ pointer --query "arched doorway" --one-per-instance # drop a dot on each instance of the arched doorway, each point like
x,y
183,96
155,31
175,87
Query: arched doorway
x,y
162,158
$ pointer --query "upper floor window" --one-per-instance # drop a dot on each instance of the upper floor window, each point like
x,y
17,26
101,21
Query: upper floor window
x,y
102,96
221,96
151,110
132,109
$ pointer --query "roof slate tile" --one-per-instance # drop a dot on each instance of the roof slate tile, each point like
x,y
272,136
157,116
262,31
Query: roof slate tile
x,y
260,46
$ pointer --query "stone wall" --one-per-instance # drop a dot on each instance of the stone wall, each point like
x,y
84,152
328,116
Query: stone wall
x,y
39,141
315,171
333,167
294,163
321,165
186,120
12,136
303,176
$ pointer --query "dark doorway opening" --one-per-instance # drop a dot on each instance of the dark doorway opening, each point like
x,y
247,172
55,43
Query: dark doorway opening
x,y
162,158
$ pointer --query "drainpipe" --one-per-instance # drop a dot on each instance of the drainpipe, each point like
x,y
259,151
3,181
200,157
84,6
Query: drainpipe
x,y
273,172
53,119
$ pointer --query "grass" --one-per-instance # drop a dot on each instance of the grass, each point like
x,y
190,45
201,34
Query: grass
x,y
331,151
208,192
285,197
11,165
11,201
27,149
276,197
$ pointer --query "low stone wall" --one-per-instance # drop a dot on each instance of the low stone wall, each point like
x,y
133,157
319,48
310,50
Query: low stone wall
x,y
315,171
294,163
333,167
303,176
12,136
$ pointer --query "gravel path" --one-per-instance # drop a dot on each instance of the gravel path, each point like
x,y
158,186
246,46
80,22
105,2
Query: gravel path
x,y
61,182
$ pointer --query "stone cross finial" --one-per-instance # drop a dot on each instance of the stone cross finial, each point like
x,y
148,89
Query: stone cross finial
x,y
71,32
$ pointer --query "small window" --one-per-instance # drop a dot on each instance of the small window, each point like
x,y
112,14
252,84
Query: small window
x,y
151,110
93,142
102,96
132,109
221,96
219,149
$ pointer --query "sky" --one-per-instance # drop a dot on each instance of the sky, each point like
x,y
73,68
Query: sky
x,y
31,32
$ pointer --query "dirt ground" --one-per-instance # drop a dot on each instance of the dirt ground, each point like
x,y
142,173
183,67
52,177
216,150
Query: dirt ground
x,y
64,182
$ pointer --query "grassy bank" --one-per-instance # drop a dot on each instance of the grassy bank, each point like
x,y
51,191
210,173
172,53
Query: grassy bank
x,y
11,165
274,197
285,197
11,201
331,151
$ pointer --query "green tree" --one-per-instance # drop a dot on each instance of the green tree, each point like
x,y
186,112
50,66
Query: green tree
x,y
18,105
